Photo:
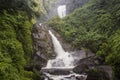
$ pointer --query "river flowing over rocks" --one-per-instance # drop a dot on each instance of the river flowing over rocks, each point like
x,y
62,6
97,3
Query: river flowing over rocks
x,y
55,63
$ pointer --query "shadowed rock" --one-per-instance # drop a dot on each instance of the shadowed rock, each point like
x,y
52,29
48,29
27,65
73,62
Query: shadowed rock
x,y
42,45
57,71
93,67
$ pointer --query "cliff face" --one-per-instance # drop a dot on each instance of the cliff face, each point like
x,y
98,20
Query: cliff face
x,y
43,49
42,45
52,5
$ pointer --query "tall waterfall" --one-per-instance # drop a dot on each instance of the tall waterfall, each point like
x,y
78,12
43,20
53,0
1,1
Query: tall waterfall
x,y
61,11
63,59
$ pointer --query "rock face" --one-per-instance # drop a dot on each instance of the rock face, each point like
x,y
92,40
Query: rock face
x,y
81,54
42,45
94,68
57,71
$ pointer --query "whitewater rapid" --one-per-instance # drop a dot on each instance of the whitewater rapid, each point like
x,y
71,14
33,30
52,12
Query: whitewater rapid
x,y
63,59
63,62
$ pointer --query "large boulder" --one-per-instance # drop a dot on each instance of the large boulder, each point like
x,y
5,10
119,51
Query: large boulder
x,y
42,45
94,68
87,63
81,54
56,71
100,73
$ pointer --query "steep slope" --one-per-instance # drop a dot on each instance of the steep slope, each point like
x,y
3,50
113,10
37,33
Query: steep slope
x,y
16,20
95,26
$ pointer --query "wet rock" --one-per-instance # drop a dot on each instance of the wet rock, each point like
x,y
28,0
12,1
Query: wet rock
x,y
81,54
93,67
85,64
81,68
56,71
100,73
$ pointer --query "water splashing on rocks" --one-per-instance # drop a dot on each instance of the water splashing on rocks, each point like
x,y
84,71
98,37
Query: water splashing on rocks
x,y
63,59
61,67
61,11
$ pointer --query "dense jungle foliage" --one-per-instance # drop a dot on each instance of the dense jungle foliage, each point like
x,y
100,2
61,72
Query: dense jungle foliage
x,y
16,20
95,26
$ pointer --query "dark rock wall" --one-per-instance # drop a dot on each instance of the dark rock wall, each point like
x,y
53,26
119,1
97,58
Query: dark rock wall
x,y
43,49
42,45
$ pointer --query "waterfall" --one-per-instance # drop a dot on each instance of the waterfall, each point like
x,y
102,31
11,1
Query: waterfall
x,y
63,59
61,11
60,68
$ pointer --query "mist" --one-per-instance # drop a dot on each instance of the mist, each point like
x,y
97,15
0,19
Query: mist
x,y
51,6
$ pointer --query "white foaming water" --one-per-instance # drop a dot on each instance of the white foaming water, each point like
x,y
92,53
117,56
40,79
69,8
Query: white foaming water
x,y
66,77
63,59
61,11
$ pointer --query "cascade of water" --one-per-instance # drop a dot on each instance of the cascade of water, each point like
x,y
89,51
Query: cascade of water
x,y
61,11
63,62
63,59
